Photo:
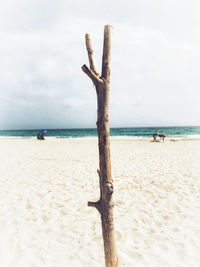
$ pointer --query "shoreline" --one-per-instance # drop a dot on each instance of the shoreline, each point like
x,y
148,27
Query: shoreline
x,y
112,138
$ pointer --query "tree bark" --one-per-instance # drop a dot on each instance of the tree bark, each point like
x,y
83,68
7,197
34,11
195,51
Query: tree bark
x,y
105,205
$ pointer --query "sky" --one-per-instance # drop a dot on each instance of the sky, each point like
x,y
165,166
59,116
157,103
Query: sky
x,y
155,62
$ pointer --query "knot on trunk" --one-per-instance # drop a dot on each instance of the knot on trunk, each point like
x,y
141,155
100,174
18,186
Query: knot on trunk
x,y
109,188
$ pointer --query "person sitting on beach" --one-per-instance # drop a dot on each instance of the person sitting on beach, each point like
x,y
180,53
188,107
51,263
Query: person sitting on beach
x,y
154,137
162,136
38,136
42,136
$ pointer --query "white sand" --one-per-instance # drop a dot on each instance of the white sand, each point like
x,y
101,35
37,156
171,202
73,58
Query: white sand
x,y
45,186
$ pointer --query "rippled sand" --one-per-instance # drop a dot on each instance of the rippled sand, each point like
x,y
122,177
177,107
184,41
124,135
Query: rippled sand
x,y
45,186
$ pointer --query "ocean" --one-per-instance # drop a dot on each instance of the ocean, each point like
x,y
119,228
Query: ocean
x,y
119,133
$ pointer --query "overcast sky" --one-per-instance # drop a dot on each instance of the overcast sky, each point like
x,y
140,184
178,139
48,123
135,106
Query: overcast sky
x,y
155,64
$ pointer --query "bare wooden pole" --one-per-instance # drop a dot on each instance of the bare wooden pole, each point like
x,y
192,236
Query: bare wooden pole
x,y
105,205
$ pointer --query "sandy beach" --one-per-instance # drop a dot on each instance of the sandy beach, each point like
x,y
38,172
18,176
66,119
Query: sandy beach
x,y
45,187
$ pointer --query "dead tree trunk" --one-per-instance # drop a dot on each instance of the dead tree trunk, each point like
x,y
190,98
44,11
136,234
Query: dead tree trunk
x,y
105,204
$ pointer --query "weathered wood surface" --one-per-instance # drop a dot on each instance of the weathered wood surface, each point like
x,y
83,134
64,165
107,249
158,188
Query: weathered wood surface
x,y
105,205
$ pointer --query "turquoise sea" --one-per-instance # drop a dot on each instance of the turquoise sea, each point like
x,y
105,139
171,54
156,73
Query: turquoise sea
x,y
123,133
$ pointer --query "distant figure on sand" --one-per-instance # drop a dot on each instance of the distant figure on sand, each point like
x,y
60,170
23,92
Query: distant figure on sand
x,y
154,137
40,135
162,136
